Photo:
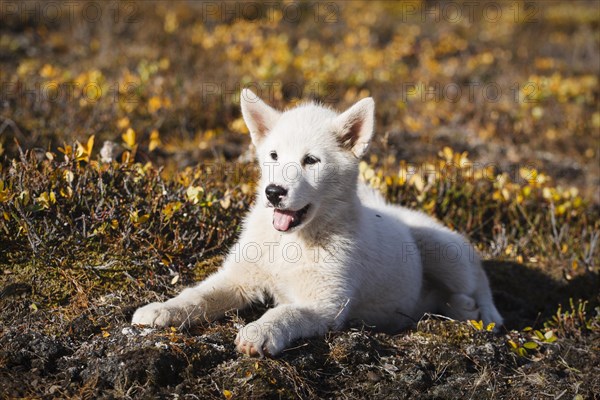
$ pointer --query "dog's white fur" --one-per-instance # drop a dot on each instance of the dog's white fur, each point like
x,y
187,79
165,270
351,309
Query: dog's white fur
x,y
353,259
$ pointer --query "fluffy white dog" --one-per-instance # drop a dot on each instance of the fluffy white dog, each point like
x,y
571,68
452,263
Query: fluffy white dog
x,y
327,249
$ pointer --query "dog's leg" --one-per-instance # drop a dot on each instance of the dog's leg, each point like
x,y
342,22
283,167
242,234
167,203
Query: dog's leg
x,y
281,325
453,272
230,288
460,307
461,300
488,312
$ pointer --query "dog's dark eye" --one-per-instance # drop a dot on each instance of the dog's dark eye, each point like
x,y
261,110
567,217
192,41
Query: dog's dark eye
x,y
310,160
274,155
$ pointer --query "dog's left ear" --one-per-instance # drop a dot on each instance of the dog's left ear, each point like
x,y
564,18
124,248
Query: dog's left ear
x,y
259,117
355,126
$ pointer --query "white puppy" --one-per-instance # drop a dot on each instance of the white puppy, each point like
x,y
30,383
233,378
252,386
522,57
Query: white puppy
x,y
327,249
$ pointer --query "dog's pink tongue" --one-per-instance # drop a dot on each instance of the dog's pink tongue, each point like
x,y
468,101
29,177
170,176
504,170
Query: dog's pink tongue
x,y
282,219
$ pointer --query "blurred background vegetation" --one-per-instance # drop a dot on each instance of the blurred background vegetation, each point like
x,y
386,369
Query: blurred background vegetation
x,y
125,173
515,84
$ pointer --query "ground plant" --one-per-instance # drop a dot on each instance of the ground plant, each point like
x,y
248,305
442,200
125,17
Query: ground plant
x,y
126,170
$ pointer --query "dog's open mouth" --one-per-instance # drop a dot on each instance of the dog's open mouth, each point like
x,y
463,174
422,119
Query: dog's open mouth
x,y
284,220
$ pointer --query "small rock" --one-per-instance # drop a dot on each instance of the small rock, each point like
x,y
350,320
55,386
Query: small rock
x,y
373,376
53,389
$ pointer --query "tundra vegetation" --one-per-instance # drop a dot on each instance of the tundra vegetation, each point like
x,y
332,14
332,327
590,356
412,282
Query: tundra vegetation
x,y
125,175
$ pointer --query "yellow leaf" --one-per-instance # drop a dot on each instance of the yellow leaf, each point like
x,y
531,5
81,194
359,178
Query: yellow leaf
x,y
46,199
126,157
24,197
129,137
170,209
546,193
239,125
123,123
528,174
66,192
537,112
519,198
512,344
447,154
164,63
246,188
47,71
463,159
227,393
530,345
551,339
138,219
430,206
84,152
171,24
477,324
490,327
67,150
105,334
417,182
539,334
572,192
80,152
225,202
68,176
154,104
154,140
90,145
4,193
194,194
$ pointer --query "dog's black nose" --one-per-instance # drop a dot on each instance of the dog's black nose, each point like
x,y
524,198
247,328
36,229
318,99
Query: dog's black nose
x,y
275,194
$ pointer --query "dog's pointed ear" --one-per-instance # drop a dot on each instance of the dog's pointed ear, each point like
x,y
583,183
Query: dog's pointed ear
x,y
259,117
355,126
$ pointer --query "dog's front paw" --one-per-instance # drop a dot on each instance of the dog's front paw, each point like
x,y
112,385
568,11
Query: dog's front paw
x,y
257,340
154,314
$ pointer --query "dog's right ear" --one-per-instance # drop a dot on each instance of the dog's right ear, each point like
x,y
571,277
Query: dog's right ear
x,y
355,126
259,117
